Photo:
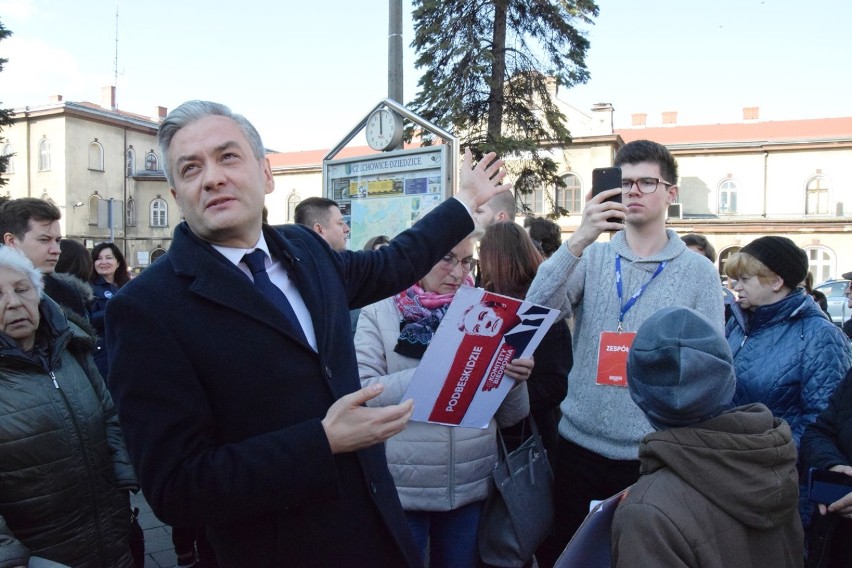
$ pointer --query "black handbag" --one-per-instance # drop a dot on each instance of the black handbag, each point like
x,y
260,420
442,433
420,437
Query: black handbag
x,y
518,513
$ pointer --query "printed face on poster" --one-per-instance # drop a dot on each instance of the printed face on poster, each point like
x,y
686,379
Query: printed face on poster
x,y
384,194
460,380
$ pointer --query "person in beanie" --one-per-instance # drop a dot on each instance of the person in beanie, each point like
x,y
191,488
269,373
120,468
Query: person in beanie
x,y
718,485
787,353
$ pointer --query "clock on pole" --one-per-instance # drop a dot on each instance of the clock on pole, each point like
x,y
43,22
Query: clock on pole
x,y
383,130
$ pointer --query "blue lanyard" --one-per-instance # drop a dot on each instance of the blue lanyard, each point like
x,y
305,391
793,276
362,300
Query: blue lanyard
x,y
636,294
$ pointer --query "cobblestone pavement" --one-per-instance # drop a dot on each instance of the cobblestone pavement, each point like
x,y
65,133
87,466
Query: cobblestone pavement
x,y
159,552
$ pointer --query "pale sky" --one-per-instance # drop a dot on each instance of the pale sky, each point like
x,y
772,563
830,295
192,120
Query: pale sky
x,y
305,73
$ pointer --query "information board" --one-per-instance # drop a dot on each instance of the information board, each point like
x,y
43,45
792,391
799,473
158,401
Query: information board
x,y
383,194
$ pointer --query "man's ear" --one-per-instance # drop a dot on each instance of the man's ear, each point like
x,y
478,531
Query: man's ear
x,y
501,216
10,239
673,193
318,228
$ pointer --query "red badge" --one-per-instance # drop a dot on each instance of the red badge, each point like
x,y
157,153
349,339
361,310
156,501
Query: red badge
x,y
612,357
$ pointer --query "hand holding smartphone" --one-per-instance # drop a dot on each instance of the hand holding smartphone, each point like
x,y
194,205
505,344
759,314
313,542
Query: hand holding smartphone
x,y
604,179
826,486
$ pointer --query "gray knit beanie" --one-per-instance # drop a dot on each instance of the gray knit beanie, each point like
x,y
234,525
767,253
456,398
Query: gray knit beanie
x,y
680,369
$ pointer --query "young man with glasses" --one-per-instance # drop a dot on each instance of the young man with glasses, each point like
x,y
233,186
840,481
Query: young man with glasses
x,y
610,288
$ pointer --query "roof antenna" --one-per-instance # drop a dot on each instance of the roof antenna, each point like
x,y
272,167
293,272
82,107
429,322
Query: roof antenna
x,y
115,63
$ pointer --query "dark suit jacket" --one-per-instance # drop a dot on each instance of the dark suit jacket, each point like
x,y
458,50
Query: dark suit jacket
x,y
221,402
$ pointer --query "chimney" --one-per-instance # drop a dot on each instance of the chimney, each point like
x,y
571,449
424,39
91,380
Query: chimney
x,y
162,113
603,114
751,113
670,117
108,97
638,119
552,86
55,98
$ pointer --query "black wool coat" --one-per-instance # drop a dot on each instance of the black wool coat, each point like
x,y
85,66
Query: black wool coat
x,y
221,402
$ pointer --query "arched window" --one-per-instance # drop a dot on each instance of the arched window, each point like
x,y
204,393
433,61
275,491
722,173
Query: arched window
x,y
130,167
728,197
10,161
724,256
157,253
821,263
816,196
93,208
131,212
151,162
96,156
44,155
292,201
570,197
159,212
534,201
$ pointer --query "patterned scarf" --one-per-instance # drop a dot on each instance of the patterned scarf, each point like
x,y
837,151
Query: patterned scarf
x,y
421,311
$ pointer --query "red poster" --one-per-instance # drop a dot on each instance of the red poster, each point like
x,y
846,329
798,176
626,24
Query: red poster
x,y
460,380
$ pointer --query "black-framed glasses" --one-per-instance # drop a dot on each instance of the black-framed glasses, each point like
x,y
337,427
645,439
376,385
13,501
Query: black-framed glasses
x,y
468,263
645,184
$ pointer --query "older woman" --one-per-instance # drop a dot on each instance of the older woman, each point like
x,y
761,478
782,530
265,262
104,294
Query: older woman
x,y
65,473
787,353
442,473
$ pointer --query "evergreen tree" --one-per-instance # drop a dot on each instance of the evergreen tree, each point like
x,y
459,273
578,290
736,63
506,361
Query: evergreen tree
x,y
5,114
488,65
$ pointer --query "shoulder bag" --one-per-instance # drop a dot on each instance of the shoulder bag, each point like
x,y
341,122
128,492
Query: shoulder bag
x,y
519,511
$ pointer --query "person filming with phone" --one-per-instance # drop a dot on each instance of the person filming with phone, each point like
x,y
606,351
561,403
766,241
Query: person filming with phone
x,y
610,288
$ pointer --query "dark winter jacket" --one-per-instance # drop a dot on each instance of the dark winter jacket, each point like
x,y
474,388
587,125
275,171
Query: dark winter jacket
x,y
718,494
828,441
69,292
225,422
825,444
547,388
789,356
102,291
65,472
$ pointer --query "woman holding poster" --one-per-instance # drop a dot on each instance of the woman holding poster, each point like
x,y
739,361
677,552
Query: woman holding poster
x,y
442,473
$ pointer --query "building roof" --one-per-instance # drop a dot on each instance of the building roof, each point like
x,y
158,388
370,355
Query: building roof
x,y
90,111
312,158
788,131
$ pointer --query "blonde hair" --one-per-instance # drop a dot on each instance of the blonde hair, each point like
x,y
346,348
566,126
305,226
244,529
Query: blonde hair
x,y
742,263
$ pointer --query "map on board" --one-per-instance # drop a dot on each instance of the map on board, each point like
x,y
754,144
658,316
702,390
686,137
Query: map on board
x,y
385,195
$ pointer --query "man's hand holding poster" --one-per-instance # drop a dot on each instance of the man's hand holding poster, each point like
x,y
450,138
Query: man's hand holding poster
x,y
460,380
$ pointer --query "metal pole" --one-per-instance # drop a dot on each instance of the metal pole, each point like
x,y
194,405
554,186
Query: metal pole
x,y
395,50
110,221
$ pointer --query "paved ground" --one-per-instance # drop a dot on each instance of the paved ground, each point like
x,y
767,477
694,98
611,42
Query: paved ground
x,y
159,552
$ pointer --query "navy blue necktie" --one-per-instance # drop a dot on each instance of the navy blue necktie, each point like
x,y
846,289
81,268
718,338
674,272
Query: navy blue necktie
x,y
256,262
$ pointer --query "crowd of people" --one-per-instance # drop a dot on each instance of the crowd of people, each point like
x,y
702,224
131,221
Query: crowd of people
x,y
251,382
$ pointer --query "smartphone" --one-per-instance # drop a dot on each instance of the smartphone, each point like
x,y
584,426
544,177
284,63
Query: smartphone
x,y
607,178
826,486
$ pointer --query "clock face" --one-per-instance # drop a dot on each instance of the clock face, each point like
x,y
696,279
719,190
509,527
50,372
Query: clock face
x,y
383,130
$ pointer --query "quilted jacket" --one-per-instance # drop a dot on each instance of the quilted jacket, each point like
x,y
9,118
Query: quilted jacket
x,y
434,467
64,471
788,356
